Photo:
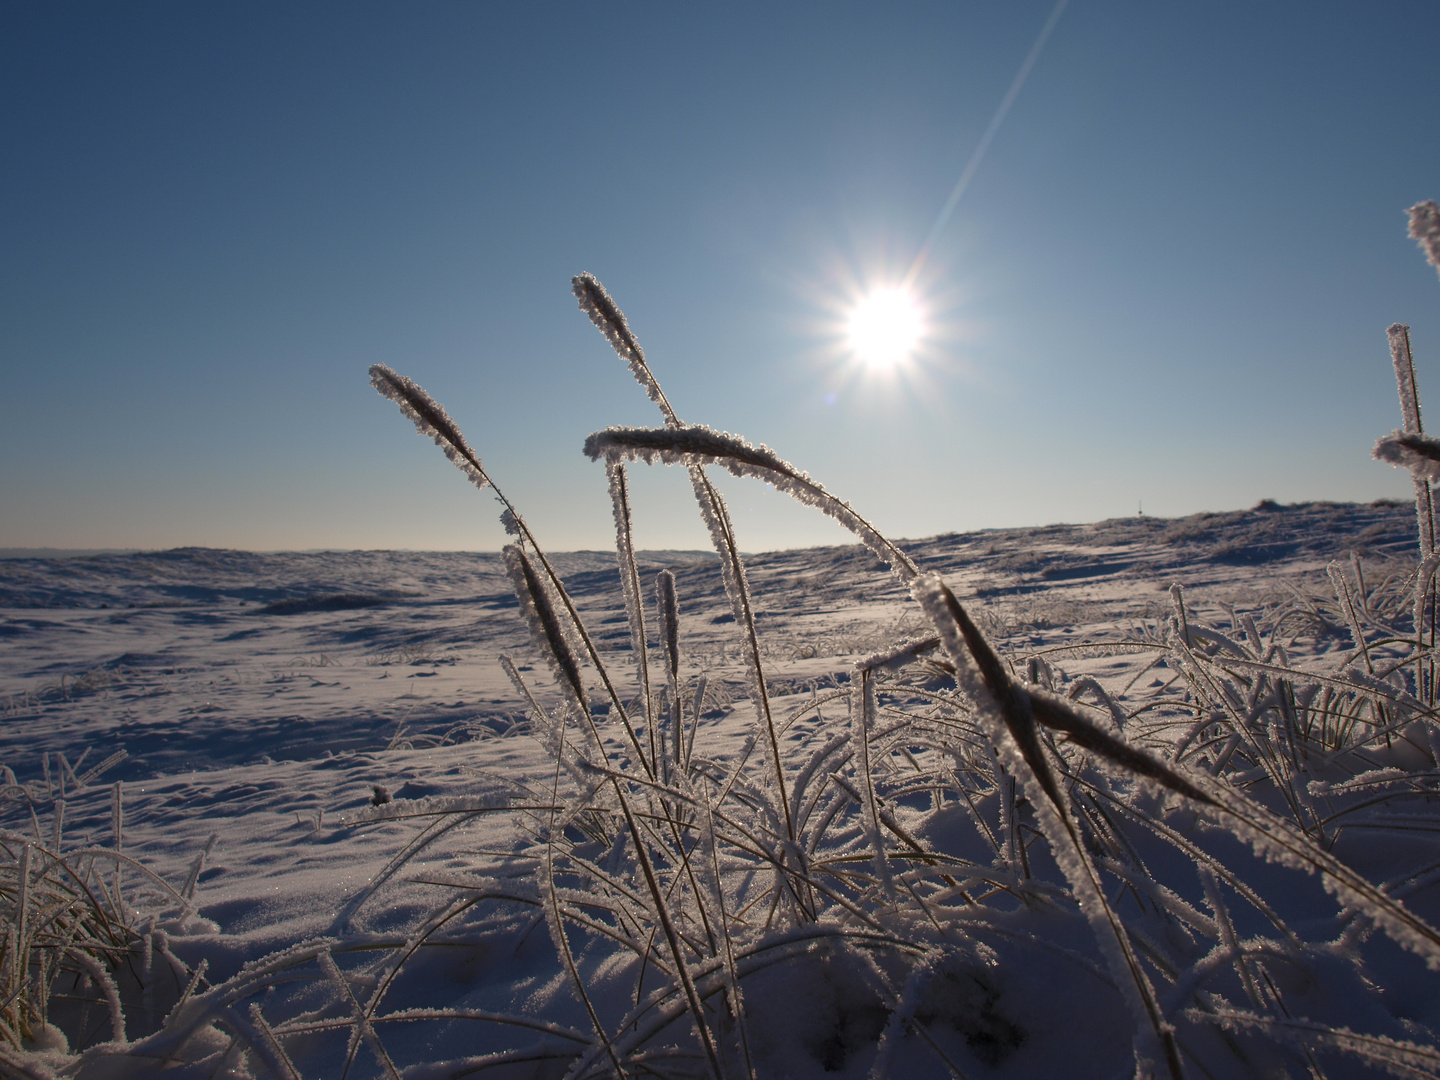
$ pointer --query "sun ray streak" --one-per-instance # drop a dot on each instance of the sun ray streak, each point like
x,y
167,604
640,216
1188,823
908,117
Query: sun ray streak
x,y
973,165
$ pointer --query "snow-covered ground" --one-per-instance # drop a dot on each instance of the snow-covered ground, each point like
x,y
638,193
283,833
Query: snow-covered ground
x,y
265,699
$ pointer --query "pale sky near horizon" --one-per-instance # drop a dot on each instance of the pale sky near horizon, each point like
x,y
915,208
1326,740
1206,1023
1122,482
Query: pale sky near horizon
x,y
1167,285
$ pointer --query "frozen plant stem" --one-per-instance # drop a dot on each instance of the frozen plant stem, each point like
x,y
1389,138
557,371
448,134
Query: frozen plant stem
x,y
610,321
1403,359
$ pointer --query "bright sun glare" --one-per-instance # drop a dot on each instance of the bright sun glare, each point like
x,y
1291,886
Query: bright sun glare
x,y
885,327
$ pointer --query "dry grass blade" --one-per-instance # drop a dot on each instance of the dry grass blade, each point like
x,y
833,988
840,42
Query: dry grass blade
x,y
1408,388
862,727
670,646
550,636
899,656
732,570
555,919
669,620
1282,841
672,937
1398,334
275,1053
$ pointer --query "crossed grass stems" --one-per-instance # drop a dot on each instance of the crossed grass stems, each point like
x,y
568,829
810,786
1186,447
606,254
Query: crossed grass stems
x,y
706,872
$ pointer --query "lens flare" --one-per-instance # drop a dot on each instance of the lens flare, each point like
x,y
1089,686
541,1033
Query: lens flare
x,y
885,327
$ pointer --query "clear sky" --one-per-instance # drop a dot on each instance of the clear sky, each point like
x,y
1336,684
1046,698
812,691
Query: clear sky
x,y
1168,283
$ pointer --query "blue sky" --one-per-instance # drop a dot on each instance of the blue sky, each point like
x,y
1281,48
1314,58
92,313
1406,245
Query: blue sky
x,y
1168,283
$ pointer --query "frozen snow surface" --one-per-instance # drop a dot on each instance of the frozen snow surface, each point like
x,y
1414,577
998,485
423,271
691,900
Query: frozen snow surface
x,y
395,850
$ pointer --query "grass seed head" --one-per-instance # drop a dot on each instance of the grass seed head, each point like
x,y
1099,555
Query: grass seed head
x,y
430,419
1425,227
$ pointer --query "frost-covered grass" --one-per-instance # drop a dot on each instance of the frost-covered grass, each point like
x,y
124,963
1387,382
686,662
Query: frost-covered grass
x,y
965,860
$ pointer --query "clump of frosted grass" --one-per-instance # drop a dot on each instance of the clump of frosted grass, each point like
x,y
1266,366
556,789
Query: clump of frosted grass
x,y
978,828
84,957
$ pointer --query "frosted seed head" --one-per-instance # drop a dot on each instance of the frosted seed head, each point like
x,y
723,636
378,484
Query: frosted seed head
x,y
606,315
669,619
1407,450
430,419
545,628
610,321
1425,227
696,445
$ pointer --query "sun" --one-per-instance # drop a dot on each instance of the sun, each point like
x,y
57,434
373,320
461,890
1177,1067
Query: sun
x,y
885,327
